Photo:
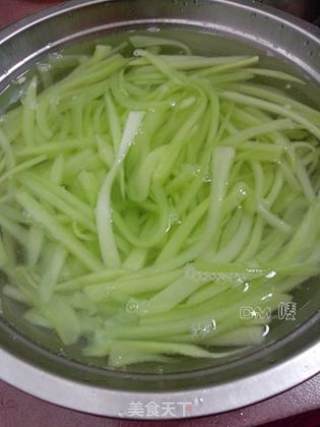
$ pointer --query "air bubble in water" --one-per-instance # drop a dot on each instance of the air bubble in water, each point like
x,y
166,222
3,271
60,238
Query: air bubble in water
x,y
243,190
271,275
54,100
160,370
118,359
21,80
204,328
44,67
246,287
153,29
207,179
173,219
56,55
266,330
134,306
266,297
61,352
196,170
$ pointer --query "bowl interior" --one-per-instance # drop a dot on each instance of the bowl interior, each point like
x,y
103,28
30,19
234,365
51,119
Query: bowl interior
x,y
285,337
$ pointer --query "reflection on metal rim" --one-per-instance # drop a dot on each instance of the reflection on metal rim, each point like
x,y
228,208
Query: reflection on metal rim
x,y
299,359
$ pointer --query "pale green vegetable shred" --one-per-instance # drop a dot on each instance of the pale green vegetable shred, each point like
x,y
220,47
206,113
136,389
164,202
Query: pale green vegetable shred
x,y
151,194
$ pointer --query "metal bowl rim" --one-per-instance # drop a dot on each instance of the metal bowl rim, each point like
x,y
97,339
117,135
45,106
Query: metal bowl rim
x,y
114,403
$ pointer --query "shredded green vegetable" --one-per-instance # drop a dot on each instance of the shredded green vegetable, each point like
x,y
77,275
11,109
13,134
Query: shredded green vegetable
x,y
148,196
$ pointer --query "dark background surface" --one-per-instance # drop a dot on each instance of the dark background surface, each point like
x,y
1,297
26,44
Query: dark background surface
x,y
299,407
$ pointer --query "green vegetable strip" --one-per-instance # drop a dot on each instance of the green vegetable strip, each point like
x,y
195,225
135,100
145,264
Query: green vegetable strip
x,y
230,65
207,292
160,65
136,259
89,186
15,230
275,74
172,295
303,177
245,135
242,337
28,115
53,266
3,255
50,198
61,192
34,245
272,108
14,293
234,247
192,62
28,164
57,231
221,165
270,94
131,286
114,123
5,146
303,237
108,248
221,309
178,238
163,347
252,246
50,149
36,319
160,329
66,324
272,219
82,281
146,41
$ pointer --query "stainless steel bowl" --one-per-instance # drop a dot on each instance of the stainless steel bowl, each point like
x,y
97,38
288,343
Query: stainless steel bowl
x,y
32,360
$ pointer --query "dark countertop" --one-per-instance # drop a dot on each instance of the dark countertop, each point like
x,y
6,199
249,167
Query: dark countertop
x,y
18,409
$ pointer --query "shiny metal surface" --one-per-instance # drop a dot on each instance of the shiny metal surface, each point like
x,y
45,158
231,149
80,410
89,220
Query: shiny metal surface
x,y
292,354
305,9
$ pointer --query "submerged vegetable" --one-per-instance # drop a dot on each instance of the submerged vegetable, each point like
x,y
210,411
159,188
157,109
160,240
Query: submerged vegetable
x,y
149,197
